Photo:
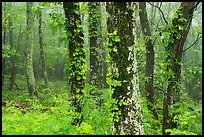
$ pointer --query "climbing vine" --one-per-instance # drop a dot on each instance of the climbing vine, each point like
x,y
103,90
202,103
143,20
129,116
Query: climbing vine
x,y
76,66
112,80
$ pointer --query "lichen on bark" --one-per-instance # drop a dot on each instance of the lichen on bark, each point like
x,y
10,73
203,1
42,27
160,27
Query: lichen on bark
x,y
122,20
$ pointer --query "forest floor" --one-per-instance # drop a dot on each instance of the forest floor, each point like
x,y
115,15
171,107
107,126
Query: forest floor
x,y
52,113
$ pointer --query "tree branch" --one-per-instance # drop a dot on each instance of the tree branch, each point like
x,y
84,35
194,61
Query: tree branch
x,y
194,42
195,5
160,11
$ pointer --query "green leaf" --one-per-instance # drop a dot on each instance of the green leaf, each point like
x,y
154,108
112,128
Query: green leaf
x,y
182,20
78,78
115,32
171,40
115,49
46,4
165,33
117,39
181,27
108,59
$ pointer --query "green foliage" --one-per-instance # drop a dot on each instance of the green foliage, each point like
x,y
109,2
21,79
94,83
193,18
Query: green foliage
x,y
188,118
151,125
57,21
47,4
191,71
98,108
57,120
85,129
8,52
95,111
50,55
114,38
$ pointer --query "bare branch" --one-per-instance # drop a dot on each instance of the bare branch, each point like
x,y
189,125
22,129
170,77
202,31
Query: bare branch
x,y
198,37
160,11
195,5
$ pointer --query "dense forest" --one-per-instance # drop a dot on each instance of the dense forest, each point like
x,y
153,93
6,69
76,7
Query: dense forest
x,y
102,68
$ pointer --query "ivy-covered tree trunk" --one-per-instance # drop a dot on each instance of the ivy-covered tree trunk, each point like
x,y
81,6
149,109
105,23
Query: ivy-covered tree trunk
x,y
42,58
29,55
121,22
178,33
149,58
85,22
76,55
96,57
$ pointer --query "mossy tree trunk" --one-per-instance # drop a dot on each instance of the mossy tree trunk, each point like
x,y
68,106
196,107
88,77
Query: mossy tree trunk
x,y
85,22
122,19
42,57
12,58
4,41
96,46
76,55
104,40
29,54
178,33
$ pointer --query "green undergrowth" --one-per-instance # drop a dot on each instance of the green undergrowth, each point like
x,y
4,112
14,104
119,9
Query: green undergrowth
x,y
188,117
52,113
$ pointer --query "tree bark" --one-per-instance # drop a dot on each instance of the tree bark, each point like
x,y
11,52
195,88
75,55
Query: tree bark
x,y
85,23
96,58
12,58
174,50
4,42
122,19
76,56
104,40
29,55
42,57
149,58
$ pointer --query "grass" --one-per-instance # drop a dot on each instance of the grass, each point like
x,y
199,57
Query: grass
x,y
52,113
57,120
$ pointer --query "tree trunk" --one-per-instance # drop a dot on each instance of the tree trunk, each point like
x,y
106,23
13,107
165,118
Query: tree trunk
x,y
96,58
85,23
174,50
4,42
104,40
29,56
42,57
12,58
76,56
149,58
122,19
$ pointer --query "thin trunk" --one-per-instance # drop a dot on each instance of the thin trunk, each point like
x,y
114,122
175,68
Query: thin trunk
x,y
130,120
104,40
29,56
12,58
174,50
42,57
4,42
149,58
